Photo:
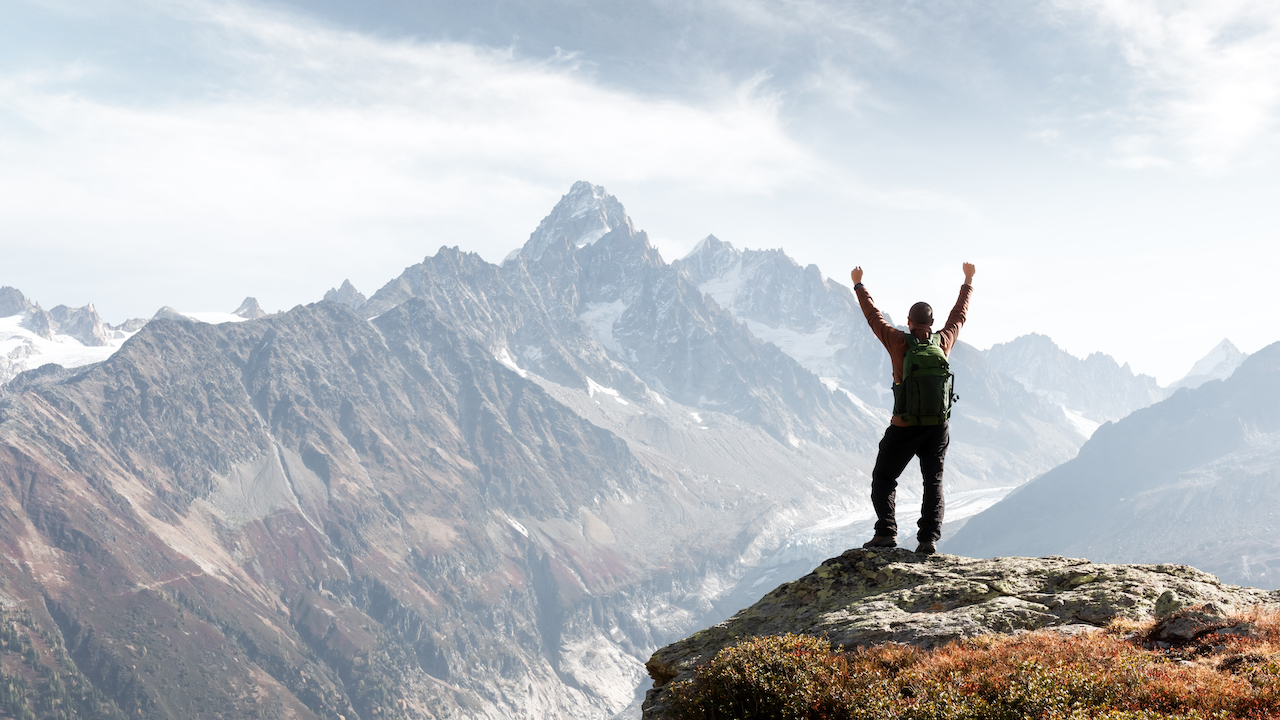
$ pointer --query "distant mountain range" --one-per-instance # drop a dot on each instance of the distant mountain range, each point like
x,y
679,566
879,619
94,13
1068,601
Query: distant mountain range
x,y
488,490
1192,479
31,337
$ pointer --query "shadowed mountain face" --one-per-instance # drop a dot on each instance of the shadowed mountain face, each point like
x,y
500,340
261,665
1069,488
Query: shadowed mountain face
x,y
1193,479
487,490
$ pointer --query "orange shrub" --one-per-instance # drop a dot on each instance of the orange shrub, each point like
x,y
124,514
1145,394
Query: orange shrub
x,y
1035,675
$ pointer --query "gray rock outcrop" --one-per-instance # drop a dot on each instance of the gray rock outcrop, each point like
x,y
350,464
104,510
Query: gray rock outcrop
x,y
13,302
83,324
169,313
249,309
132,325
347,295
585,214
41,323
866,597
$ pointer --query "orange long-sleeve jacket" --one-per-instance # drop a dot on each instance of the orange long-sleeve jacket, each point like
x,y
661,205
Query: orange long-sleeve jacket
x,y
895,340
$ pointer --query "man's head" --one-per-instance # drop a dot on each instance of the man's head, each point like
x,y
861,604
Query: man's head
x,y
921,315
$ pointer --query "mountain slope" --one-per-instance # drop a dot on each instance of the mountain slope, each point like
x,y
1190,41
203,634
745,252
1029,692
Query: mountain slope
x,y
345,516
1194,479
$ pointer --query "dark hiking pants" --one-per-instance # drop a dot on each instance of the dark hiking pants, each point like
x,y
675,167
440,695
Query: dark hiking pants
x,y
900,444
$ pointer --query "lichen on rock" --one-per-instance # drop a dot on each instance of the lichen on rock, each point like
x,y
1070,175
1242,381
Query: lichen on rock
x,y
867,597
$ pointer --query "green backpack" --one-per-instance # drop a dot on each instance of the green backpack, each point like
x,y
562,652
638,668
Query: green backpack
x,y
926,393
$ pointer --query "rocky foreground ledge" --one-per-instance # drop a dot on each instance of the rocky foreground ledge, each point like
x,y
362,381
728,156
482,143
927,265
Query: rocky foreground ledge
x,y
866,597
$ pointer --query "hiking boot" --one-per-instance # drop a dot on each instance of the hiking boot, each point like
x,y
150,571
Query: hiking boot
x,y
926,547
881,541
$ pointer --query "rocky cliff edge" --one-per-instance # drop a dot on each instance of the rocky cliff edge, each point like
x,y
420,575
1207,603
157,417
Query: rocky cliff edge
x,y
866,597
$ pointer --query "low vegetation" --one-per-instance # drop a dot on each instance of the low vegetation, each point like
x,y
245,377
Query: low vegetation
x,y
38,678
1121,673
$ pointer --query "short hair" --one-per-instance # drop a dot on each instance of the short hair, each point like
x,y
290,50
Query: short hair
x,y
921,314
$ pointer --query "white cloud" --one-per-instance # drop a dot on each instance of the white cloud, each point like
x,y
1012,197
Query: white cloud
x,y
307,153
324,121
1207,77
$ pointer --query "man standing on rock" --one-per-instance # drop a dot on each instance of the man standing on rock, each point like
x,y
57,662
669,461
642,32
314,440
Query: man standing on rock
x,y
922,397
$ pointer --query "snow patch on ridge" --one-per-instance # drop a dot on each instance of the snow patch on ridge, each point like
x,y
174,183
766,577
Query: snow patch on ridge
x,y
724,289
21,349
833,385
505,358
1084,425
600,319
594,387
518,527
811,350
592,236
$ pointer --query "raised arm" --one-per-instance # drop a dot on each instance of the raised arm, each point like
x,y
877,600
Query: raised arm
x,y
879,326
951,331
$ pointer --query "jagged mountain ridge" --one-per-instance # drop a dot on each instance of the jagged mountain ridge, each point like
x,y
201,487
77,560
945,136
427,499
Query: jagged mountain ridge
x,y
1097,387
31,337
607,309
365,497
346,294
1004,435
1194,479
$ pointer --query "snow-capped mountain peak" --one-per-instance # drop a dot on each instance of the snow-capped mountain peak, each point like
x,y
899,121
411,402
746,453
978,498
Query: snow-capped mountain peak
x,y
584,215
1224,355
1219,364
710,256
31,336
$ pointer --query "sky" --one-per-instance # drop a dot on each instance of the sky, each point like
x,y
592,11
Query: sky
x,y
1111,166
